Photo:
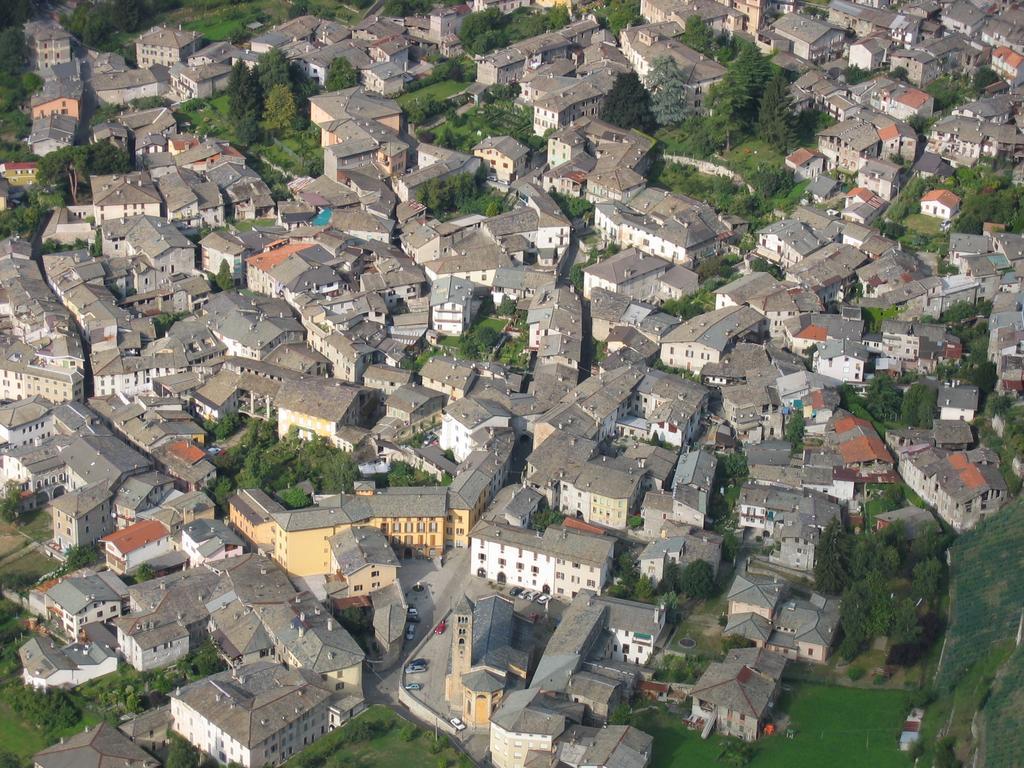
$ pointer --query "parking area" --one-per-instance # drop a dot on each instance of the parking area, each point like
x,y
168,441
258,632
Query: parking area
x,y
436,649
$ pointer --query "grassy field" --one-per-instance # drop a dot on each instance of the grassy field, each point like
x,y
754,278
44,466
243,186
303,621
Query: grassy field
x,y
29,566
1003,740
24,739
439,91
979,667
745,157
842,726
926,226
391,750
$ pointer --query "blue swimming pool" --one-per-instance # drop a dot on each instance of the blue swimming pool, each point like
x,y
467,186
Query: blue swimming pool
x,y
323,217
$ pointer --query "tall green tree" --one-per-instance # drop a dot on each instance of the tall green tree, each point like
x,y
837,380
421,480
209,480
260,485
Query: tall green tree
x,y
341,75
13,51
273,69
628,104
775,118
668,91
735,100
918,407
10,502
126,15
698,35
795,428
224,279
697,580
927,579
279,112
832,559
65,167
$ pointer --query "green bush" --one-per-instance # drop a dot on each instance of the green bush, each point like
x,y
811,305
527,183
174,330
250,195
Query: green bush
x,y
855,673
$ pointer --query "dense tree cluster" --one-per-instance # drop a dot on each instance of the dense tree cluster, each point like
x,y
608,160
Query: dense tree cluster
x,y
628,104
67,170
464,193
485,31
863,570
260,460
274,91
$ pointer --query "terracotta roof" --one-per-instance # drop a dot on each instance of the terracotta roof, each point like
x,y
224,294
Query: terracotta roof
x,y
846,423
136,536
913,98
864,448
890,131
801,156
188,452
943,196
815,332
579,525
276,252
1008,55
970,475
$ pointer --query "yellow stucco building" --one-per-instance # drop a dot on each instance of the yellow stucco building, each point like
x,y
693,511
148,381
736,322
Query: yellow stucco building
x,y
413,519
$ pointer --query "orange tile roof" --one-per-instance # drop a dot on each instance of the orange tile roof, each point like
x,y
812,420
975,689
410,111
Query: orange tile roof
x,y
275,254
1008,55
944,196
970,475
890,131
800,156
579,525
863,449
846,423
137,535
815,332
913,98
188,452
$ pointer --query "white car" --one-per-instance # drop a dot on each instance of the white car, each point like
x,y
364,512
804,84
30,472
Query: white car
x,y
527,596
543,599
459,725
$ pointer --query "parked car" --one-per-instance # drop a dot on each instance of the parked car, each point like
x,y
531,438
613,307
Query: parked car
x,y
440,628
410,632
418,663
527,595
542,599
515,591
459,725
413,611
415,669
412,619
215,450
414,686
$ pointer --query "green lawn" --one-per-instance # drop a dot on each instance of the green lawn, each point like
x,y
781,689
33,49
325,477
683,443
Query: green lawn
x,y
840,726
926,226
440,91
24,739
389,750
29,567
745,157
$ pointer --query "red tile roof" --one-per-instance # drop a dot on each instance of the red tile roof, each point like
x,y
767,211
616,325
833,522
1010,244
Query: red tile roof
x,y
944,196
1009,56
864,449
579,525
187,452
970,475
913,98
137,535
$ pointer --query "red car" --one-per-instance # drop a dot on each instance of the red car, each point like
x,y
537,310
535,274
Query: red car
x,y
440,628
